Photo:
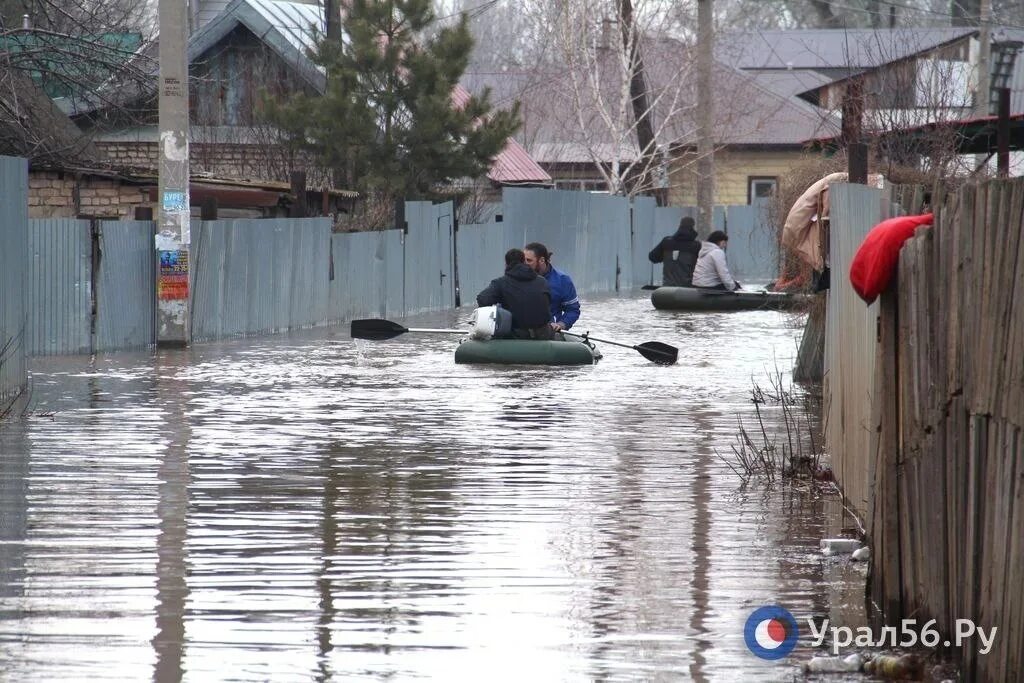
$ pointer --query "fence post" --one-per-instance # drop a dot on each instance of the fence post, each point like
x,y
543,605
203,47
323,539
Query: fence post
x,y
884,525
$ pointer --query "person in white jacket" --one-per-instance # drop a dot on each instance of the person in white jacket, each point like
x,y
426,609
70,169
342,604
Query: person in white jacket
x,y
711,270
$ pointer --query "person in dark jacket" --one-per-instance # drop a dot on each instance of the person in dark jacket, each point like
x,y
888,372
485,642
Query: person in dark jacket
x,y
678,255
524,294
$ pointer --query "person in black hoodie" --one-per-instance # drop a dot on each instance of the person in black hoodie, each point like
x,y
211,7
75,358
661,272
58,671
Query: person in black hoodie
x,y
678,254
522,293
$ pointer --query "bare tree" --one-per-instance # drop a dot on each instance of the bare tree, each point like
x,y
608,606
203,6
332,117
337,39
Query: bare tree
x,y
907,104
602,48
507,35
61,58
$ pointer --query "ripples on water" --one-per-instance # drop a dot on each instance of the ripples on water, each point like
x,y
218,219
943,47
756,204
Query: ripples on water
x,y
308,507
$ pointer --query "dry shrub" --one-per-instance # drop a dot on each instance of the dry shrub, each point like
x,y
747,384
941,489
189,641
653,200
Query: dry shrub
x,y
376,212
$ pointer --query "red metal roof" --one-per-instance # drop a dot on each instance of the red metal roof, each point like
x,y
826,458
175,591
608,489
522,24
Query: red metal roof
x,y
513,165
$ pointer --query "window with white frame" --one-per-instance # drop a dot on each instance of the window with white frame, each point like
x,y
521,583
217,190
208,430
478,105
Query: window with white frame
x,y
760,187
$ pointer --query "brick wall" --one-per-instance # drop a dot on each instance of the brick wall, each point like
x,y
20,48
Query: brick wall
x,y
219,159
53,194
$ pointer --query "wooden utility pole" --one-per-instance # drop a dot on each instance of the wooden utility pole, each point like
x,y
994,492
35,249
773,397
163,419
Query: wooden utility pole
x,y
982,96
705,114
982,100
172,239
651,160
852,132
1003,134
332,16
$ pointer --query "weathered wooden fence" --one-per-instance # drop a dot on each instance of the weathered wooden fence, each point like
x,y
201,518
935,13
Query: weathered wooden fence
x,y
945,458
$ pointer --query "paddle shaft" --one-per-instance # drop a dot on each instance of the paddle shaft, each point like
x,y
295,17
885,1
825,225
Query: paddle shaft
x,y
655,351
378,329
435,331
603,341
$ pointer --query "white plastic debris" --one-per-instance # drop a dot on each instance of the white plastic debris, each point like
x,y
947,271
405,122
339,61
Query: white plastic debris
x,y
861,554
838,546
834,665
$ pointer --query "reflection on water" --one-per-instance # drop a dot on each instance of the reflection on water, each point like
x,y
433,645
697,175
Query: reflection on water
x,y
307,507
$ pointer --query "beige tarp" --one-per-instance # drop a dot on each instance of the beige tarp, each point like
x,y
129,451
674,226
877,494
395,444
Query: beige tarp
x,y
803,232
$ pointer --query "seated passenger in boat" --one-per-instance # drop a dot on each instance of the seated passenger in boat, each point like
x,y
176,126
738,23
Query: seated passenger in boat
x,y
711,271
678,255
524,294
565,304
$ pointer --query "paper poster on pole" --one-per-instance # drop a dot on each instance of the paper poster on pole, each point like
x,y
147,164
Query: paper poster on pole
x,y
172,279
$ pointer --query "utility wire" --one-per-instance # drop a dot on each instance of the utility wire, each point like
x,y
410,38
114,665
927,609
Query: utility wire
x,y
472,14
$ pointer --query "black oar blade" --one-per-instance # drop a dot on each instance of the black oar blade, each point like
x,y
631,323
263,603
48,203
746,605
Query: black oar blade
x,y
376,329
656,352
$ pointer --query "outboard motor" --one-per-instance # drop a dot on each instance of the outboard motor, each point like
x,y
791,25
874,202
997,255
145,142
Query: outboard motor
x,y
491,321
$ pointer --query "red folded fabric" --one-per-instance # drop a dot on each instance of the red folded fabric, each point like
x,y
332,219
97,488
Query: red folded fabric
x,y
876,259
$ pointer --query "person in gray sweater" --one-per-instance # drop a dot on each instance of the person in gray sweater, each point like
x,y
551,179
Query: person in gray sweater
x,y
711,271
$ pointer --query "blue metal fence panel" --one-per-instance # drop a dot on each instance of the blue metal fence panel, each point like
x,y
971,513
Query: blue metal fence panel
x,y
849,331
13,273
556,218
718,216
310,273
643,236
253,276
429,270
126,295
753,249
608,259
60,287
480,258
207,276
367,274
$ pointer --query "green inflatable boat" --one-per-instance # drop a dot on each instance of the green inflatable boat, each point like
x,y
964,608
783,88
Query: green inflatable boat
x,y
696,299
525,352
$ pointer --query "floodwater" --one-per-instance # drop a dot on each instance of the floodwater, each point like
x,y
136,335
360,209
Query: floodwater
x,y
308,508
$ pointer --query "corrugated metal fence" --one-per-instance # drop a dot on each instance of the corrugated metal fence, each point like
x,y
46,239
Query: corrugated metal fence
x,y
259,276
849,342
753,243
13,265
91,283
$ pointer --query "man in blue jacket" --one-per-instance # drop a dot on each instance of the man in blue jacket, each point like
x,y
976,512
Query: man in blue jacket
x,y
565,305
